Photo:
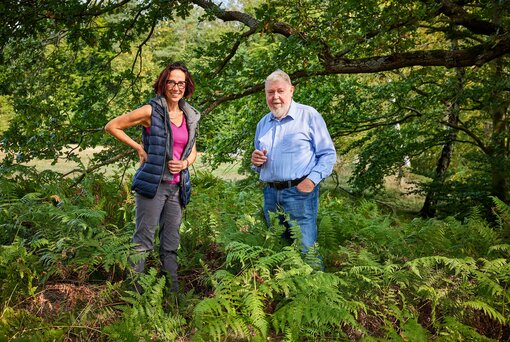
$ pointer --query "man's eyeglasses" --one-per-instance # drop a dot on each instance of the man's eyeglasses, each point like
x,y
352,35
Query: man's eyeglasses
x,y
172,83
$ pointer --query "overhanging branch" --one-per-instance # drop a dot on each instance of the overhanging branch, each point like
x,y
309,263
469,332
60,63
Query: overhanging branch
x,y
473,56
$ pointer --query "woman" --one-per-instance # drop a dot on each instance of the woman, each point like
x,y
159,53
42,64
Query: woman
x,y
168,135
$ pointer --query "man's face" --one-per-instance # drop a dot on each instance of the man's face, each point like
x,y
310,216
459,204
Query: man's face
x,y
279,97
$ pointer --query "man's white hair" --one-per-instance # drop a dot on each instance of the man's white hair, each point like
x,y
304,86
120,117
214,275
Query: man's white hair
x,y
278,74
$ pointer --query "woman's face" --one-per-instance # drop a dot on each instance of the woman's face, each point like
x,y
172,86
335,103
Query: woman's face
x,y
175,85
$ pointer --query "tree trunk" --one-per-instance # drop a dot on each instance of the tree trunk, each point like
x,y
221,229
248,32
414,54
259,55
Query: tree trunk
x,y
429,206
499,158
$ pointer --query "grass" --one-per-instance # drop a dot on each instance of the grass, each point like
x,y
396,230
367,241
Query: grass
x,y
224,171
396,196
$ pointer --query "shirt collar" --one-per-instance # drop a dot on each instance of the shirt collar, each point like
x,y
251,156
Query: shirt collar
x,y
292,112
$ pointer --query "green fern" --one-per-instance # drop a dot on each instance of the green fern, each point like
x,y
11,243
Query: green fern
x,y
253,308
21,325
239,304
315,308
504,249
486,309
18,271
217,317
453,330
502,209
144,317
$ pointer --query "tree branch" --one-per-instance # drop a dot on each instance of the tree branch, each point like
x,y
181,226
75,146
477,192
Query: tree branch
x,y
233,50
246,19
142,44
477,141
473,56
368,127
336,64
224,15
460,17
225,98
97,166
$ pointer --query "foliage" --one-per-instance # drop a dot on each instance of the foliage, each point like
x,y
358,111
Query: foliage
x,y
17,271
143,316
272,288
385,277
11,320
5,112
67,68
56,231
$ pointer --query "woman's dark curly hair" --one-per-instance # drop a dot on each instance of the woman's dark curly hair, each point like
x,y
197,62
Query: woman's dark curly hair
x,y
160,84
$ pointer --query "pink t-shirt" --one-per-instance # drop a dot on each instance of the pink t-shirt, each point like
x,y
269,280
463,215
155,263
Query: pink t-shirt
x,y
180,136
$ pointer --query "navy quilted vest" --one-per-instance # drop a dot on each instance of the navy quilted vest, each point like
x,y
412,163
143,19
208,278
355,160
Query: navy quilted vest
x,y
148,177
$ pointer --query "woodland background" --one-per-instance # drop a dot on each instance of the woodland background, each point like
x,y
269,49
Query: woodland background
x,y
414,224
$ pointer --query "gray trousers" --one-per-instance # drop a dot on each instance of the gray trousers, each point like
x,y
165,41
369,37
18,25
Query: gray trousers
x,y
163,210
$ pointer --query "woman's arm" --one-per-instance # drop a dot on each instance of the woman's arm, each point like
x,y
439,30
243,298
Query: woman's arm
x,y
116,127
192,156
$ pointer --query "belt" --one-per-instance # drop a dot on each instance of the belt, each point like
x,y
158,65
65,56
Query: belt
x,y
285,184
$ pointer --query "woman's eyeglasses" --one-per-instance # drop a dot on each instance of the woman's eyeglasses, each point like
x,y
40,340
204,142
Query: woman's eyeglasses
x,y
172,83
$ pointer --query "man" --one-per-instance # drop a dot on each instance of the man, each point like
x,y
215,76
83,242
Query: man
x,y
293,154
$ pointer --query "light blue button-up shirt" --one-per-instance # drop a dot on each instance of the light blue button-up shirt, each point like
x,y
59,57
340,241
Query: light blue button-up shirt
x,y
297,145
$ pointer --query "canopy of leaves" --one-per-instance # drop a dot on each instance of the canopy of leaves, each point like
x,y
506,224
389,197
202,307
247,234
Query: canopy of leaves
x,y
70,66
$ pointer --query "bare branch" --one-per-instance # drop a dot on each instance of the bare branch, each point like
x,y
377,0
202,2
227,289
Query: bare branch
x,y
474,56
246,19
142,44
224,15
220,100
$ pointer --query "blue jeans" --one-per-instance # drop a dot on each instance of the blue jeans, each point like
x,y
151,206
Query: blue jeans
x,y
302,207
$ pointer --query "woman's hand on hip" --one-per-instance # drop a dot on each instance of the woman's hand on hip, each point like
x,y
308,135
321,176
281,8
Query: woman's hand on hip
x,y
142,155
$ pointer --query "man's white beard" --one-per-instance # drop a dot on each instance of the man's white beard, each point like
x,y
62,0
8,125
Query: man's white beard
x,y
280,112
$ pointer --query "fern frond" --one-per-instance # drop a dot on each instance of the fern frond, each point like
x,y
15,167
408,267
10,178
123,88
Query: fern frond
x,y
277,259
254,306
144,317
502,209
462,267
326,235
453,330
243,253
216,317
315,302
486,309
503,248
